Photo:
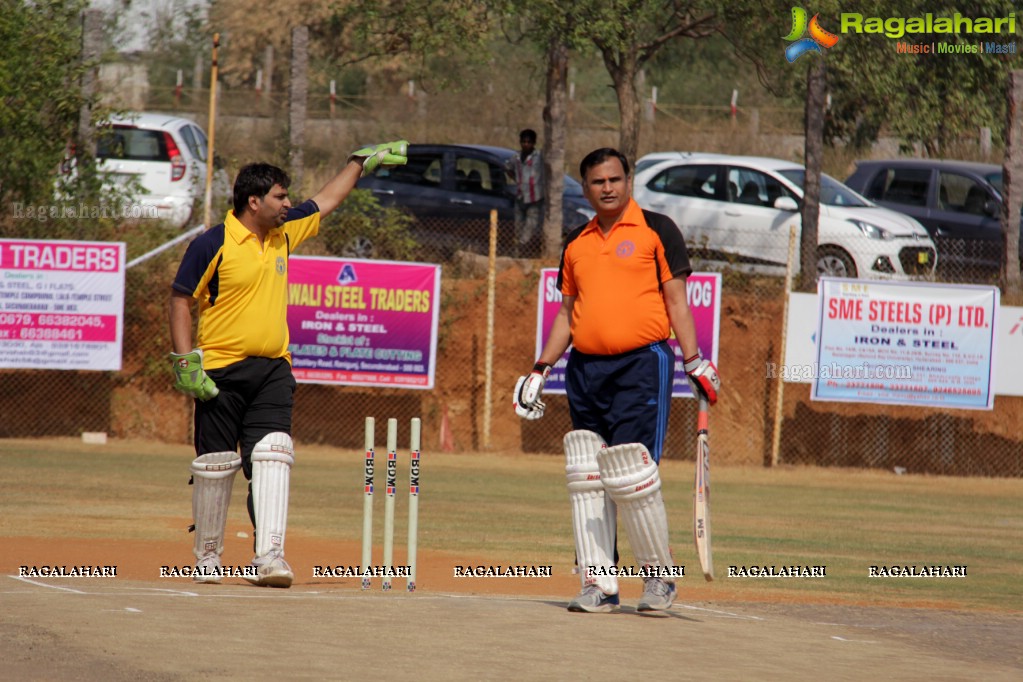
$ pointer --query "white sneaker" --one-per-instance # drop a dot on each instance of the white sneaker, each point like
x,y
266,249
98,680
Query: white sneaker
x,y
271,571
658,595
593,600
207,569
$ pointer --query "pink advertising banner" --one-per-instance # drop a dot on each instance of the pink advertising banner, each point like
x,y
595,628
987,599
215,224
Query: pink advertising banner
x,y
61,304
363,322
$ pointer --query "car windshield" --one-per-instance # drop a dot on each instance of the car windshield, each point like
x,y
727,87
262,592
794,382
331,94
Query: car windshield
x,y
995,179
131,144
833,193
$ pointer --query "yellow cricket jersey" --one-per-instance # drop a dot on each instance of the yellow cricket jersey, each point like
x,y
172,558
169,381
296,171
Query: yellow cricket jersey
x,y
242,286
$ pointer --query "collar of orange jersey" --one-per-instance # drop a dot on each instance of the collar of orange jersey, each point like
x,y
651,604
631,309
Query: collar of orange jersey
x,y
238,231
632,215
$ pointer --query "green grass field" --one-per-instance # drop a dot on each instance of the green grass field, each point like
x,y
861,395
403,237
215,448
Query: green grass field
x,y
500,508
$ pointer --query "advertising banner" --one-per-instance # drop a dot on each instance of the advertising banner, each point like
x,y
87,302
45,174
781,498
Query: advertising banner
x,y
61,304
908,344
363,322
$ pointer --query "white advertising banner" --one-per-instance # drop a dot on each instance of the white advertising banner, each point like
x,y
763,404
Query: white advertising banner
x,y
801,346
61,304
905,343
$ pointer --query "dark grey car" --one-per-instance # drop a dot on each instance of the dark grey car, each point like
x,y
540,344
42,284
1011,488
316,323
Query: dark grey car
x,y
451,189
958,202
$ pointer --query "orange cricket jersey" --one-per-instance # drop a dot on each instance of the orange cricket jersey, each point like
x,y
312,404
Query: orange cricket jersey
x,y
617,280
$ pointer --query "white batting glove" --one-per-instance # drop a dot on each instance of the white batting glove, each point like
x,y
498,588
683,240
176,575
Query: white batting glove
x,y
703,377
528,390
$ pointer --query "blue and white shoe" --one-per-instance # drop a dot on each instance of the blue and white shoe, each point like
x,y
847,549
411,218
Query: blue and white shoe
x,y
593,600
658,595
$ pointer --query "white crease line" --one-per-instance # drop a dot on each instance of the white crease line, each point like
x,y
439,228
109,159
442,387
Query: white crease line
x,y
859,641
183,593
720,613
52,587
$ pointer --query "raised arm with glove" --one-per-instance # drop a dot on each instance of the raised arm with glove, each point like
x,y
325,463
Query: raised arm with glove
x,y
381,155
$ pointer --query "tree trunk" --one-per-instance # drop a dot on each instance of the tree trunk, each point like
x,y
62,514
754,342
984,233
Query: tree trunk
x,y
297,110
814,130
555,124
624,74
1012,190
92,50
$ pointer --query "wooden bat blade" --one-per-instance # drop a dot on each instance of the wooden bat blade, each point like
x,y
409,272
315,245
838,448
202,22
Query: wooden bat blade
x,y
701,500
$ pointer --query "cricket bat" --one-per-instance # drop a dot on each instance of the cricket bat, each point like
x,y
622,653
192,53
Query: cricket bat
x,y
701,493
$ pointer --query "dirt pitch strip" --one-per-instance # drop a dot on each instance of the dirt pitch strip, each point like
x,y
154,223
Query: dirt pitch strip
x,y
93,629
127,506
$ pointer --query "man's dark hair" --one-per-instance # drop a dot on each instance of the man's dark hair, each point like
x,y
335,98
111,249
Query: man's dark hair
x,y
528,135
599,156
256,180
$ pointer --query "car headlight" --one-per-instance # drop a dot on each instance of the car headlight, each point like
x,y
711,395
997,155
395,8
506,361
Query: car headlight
x,y
872,231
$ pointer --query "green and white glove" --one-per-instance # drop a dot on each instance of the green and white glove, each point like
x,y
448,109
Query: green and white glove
x,y
190,378
381,155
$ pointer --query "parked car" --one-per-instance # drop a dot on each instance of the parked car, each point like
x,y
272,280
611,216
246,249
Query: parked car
x,y
166,157
648,160
451,189
741,207
959,202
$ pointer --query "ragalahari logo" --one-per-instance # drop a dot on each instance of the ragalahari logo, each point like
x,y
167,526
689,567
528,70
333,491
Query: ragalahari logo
x,y
819,38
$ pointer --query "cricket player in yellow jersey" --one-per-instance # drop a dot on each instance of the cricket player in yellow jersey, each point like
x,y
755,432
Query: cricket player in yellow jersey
x,y
623,284
239,369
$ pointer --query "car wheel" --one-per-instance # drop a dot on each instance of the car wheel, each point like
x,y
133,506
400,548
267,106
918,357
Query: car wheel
x,y
359,247
834,262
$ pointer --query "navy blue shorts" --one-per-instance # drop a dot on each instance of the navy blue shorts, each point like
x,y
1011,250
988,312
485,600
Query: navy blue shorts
x,y
256,398
624,398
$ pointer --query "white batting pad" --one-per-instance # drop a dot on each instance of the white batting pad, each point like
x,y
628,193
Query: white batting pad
x,y
212,477
271,475
631,478
593,512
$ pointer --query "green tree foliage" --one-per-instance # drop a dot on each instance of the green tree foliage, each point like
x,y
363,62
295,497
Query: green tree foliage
x,y
628,33
344,32
362,228
39,83
930,99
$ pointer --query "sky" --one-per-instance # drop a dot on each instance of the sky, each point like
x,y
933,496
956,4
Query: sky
x,y
137,17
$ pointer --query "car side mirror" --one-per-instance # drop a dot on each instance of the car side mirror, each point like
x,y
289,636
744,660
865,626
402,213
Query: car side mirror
x,y
993,208
218,162
786,204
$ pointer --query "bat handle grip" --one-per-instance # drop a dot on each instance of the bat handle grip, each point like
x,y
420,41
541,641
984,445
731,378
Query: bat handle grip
x,y
702,418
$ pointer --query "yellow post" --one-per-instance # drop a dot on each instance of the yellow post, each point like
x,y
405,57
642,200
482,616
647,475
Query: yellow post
x,y
488,379
208,204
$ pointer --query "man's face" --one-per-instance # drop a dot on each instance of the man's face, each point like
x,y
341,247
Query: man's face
x,y
527,145
271,210
607,188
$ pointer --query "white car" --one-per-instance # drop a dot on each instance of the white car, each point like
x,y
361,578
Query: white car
x,y
653,158
741,208
167,155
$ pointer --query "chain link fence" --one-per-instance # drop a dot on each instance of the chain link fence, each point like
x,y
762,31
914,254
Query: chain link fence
x,y
138,401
